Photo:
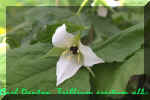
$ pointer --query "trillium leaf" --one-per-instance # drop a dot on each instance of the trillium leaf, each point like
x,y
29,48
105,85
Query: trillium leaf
x,y
115,76
83,21
74,27
37,24
26,69
45,35
54,52
121,45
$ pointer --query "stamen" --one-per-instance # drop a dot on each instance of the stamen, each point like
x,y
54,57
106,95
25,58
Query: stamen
x,y
65,52
74,45
69,57
78,58
78,51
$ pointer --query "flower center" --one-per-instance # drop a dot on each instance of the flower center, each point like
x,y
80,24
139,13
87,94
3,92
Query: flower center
x,y
74,50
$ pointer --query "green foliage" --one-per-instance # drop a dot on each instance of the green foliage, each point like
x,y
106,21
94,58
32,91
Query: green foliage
x,y
31,58
54,52
45,35
25,65
121,45
115,76
39,27
125,20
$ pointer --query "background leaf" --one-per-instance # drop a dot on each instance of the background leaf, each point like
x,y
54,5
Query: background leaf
x,y
115,76
25,65
54,52
117,39
121,45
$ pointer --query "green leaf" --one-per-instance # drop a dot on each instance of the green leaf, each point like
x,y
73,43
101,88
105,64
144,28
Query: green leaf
x,y
26,69
124,20
83,24
45,34
15,38
115,76
124,2
147,62
99,30
121,45
135,2
54,52
73,27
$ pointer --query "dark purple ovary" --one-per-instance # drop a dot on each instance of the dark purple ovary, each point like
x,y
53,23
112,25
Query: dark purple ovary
x,y
74,50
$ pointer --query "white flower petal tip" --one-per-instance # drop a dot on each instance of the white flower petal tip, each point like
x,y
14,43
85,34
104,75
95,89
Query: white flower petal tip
x,y
93,4
67,67
89,57
61,37
113,3
2,45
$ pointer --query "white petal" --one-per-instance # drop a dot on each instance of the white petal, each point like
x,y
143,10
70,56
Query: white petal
x,y
102,11
89,57
2,45
61,37
113,3
67,66
93,3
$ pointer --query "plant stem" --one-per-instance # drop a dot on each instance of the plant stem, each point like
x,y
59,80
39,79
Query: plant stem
x,y
81,6
94,2
90,70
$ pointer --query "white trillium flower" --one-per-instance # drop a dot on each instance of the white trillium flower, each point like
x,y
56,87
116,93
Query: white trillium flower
x,y
113,3
74,56
102,10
